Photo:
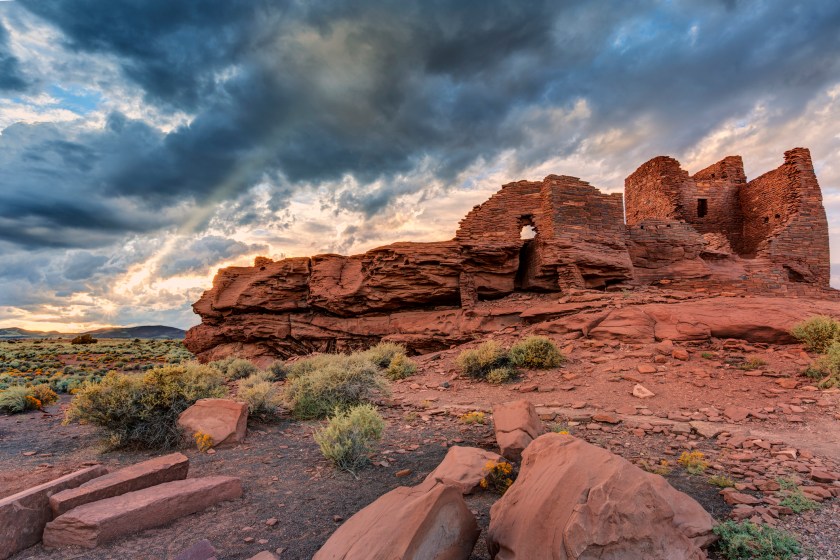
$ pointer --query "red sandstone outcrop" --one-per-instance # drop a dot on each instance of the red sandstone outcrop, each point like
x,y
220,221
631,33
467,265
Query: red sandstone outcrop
x,y
516,424
713,230
575,500
463,468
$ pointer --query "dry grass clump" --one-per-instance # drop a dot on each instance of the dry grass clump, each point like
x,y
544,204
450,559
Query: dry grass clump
x,y
349,437
234,368
826,368
401,366
142,411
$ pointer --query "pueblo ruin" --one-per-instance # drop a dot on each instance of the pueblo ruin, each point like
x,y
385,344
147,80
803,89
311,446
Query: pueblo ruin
x,y
523,259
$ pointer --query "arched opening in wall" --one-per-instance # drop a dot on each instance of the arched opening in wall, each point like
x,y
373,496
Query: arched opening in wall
x,y
527,233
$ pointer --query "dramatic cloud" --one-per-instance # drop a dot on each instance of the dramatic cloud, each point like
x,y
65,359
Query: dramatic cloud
x,y
211,131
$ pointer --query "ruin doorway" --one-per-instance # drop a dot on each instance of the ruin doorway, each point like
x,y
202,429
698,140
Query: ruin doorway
x,y
527,253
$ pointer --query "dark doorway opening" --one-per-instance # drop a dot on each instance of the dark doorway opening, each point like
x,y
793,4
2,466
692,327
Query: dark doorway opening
x,y
702,207
527,253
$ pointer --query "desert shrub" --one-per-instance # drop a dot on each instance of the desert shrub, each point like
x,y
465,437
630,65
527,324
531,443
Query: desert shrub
x,y
261,394
142,411
748,541
536,352
239,369
693,461
83,339
826,368
203,441
384,353
498,476
480,361
44,394
400,367
721,481
317,386
475,417
17,398
349,437
501,374
277,370
817,333
751,363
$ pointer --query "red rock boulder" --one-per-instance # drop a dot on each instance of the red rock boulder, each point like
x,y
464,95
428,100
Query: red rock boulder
x,y
409,524
463,467
573,500
223,420
516,424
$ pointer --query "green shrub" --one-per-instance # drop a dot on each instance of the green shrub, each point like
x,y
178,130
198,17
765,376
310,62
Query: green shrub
x,y
142,411
479,362
400,367
826,368
748,541
349,437
536,352
317,386
793,497
817,333
16,398
261,394
384,353
501,375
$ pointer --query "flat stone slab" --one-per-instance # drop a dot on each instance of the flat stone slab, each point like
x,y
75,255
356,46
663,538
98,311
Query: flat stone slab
x,y
24,515
99,522
135,477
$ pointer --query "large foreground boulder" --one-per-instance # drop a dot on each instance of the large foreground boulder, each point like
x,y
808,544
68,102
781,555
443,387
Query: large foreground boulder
x,y
573,500
24,515
223,420
463,467
409,524
135,477
99,522
516,424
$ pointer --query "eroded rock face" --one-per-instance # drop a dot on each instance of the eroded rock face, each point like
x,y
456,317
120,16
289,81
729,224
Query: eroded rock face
x,y
573,500
407,523
712,231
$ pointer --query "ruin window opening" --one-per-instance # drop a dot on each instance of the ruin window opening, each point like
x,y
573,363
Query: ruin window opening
x,y
527,229
766,220
702,207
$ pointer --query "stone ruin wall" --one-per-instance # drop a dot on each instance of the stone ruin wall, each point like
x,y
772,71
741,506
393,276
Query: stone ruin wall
x,y
769,234
334,302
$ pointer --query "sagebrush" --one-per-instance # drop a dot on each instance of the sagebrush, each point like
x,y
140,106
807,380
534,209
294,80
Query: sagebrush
x,y
481,361
316,386
350,437
142,410
261,394
536,352
748,541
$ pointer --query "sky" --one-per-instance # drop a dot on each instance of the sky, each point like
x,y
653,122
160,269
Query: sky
x,y
146,143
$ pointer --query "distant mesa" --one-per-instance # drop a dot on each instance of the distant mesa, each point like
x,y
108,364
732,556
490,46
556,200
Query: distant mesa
x,y
711,232
148,331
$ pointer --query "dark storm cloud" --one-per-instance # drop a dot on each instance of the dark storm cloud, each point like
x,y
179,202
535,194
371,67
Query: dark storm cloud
x,y
11,78
315,91
204,253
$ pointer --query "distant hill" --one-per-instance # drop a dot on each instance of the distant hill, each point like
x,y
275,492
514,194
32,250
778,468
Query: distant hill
x,y
146,331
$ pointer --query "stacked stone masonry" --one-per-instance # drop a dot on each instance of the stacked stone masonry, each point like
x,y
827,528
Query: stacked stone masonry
x,y
713,230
